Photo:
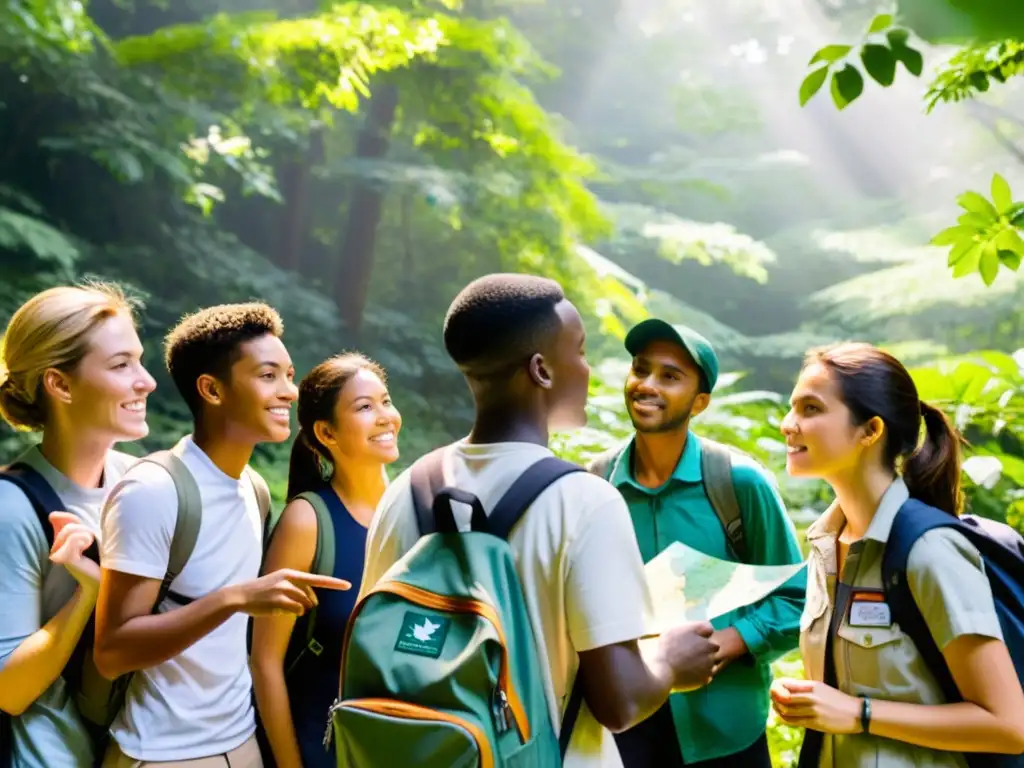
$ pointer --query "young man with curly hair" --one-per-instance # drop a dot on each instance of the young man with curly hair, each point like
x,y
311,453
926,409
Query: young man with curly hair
x,y
189,699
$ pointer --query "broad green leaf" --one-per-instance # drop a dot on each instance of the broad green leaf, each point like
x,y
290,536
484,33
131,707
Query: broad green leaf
x,y
952,235
979,222
988,264
968,265
1010,259
1002,197
879,63
829,54
847,85
911,58
975,203
1009,240
960,250
1016,214
897,37
880,22
931,384
812,84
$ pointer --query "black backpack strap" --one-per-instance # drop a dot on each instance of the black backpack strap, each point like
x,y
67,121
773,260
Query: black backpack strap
x,y
716,474
38,491
572,712
427,480
526,488
44,500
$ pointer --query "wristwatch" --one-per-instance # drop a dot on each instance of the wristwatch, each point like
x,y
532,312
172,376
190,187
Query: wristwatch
x,y
865,714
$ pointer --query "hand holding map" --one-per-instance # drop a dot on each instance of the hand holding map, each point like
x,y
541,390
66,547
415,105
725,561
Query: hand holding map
x,y
687,585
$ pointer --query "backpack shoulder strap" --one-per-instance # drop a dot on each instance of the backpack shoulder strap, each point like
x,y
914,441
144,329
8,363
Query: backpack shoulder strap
x,y
601,465
913,520
716,473
323,560
526,488
259,485
572,712
426,480
38,491
189,520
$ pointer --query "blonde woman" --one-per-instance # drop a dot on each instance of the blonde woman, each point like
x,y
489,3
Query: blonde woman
x,y
70,369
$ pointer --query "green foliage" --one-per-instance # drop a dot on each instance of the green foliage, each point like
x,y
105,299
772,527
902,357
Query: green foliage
x,y
983,393
882,48
954,21
971,70
677,239
988,234
326,59
783,740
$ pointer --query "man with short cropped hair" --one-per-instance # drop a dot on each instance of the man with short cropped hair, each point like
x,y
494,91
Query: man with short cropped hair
x,y
520,342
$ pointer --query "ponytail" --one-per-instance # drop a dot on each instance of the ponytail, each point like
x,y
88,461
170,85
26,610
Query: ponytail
x,y
305,471
932,472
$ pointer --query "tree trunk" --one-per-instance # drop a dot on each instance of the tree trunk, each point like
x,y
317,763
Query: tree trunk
x,y
355,263
296,179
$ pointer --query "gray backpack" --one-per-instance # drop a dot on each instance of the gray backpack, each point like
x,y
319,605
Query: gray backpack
x,y
716,474
99,700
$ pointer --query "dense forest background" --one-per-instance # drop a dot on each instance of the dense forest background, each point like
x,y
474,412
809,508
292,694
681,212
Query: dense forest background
x,y
355,164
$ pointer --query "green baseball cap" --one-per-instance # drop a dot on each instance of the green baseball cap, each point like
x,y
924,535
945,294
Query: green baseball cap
x,y
696,345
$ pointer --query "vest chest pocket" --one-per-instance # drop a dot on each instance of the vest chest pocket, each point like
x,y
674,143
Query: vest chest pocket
x,y
874,658
871,637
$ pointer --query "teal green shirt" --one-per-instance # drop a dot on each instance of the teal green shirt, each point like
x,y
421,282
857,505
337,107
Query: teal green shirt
x,y
728,715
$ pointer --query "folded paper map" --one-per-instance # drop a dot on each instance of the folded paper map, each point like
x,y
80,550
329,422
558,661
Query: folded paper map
x,y
687,585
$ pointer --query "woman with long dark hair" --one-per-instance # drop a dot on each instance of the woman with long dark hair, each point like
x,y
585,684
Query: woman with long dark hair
x,y
856,422
348,434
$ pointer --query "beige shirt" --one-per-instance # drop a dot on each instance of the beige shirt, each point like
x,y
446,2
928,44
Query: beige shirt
x,y
577,559
946,576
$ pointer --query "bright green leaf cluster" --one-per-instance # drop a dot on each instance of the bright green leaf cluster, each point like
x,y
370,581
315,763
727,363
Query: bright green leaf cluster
x,y
987,235
883,47
972,69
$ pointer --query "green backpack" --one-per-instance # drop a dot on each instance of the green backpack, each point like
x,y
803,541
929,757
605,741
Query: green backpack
x,y
98,699
439,665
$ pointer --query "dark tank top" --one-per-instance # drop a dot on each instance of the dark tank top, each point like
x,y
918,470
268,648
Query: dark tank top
x,y
313,682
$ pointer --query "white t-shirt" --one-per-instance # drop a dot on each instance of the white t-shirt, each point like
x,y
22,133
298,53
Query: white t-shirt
x,y
199,703
577,559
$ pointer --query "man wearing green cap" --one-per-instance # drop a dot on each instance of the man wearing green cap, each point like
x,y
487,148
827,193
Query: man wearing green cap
x,y
680,487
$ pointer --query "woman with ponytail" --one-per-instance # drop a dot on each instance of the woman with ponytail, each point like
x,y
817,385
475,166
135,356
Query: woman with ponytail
x,y
856,422
348,434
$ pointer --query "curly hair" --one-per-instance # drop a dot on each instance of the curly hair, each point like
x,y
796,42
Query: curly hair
x,y
208,342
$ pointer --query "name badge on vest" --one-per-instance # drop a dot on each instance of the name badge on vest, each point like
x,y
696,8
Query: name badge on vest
x,y
869,609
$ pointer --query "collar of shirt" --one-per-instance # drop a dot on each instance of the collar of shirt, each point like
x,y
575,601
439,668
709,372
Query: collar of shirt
x,y
831,522
687,469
